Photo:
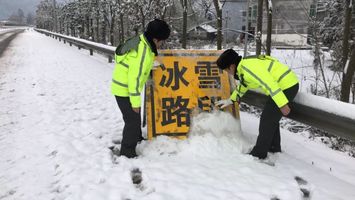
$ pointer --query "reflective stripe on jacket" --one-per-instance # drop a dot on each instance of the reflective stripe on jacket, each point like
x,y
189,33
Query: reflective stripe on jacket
x,y
267,73
131,71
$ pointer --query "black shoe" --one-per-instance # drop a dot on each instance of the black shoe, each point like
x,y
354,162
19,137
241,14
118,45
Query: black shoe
x,y
130,155
275,150
141,138
258,155
128,152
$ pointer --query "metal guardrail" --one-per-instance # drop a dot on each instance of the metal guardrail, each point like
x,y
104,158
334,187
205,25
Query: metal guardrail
x,y
107,50
332,123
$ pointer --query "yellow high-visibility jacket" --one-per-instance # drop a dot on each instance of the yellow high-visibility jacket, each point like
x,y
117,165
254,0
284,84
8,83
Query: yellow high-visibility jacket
x,y
132,69
267,73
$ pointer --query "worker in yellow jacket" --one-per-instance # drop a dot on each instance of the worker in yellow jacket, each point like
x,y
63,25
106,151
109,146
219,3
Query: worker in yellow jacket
x,y
133,63
276,80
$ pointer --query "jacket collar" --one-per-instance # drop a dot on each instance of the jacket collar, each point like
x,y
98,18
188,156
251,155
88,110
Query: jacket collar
x,y
150,42
239,67
239,75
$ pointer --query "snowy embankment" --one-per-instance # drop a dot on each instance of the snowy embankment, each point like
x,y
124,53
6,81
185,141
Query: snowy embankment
x,y
58,119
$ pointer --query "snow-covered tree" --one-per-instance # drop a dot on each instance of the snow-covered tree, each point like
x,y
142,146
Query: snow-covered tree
x,y
18,17
44,15
102,20
30,19
336,34
331,28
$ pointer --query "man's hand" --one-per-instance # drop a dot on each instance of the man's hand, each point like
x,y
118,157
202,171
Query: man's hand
x,y
224,103
285,110
137,110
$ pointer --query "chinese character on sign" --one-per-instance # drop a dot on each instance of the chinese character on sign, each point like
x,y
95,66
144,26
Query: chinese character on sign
x,y
174,75
175,111
206,104
209,74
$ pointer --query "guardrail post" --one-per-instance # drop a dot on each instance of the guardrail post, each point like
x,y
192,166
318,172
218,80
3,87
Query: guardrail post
x,y
70,44
110,59
60,39
64,41
79,47
91,52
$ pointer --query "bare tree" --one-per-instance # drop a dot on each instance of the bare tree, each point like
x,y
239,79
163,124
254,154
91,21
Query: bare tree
x,y
55,16
259,27
184,23
348,71
218,7
101,20
348,77
268,5
29,19
97,18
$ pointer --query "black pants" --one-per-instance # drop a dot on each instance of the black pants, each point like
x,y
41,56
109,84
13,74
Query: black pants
x,y
132,132
269,139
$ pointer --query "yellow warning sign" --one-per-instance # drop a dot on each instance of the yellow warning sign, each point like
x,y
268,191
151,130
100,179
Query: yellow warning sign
x,y
185,81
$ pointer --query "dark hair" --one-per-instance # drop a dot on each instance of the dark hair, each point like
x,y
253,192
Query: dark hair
x,y
158,29
227,58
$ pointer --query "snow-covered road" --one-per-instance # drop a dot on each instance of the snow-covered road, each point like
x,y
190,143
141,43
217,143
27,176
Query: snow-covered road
x,y
58,118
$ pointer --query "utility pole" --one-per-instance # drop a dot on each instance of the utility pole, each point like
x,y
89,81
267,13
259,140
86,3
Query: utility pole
x,y
246,36
268,4
259,27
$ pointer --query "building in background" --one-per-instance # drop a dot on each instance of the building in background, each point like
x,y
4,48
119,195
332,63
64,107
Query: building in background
x,y
234,19
290,24
203,32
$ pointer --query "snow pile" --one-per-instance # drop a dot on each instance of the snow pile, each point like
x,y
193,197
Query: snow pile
x,y
211,135
221,128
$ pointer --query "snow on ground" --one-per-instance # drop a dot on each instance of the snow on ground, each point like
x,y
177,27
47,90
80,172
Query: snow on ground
x,y
289,39
58,118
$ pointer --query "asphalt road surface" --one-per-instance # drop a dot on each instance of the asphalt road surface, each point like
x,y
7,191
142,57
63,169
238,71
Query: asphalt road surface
x,y
7,36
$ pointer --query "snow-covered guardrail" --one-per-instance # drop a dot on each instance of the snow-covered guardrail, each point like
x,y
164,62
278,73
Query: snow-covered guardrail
x,y
335,117
81,43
